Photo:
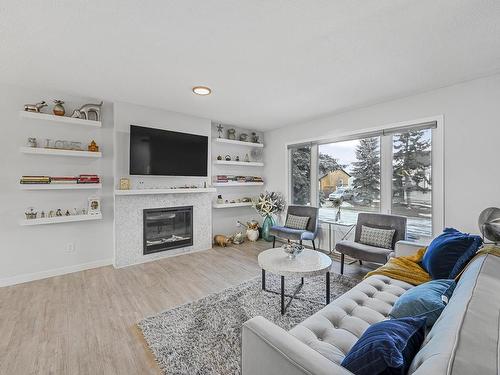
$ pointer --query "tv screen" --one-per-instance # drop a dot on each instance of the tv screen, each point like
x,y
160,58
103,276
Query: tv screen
x,y
165,153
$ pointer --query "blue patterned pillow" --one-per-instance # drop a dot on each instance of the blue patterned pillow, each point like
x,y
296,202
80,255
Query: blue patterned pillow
x,y
426,300
387,347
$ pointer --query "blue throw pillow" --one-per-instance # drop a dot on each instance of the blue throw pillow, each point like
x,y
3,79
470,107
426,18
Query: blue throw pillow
x,y
387,347
424,301
448,253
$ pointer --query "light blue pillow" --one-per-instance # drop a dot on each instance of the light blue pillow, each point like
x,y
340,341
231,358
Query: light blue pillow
x,y
426,300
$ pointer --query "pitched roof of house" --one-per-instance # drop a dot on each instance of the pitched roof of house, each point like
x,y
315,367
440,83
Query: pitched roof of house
x,y
340,169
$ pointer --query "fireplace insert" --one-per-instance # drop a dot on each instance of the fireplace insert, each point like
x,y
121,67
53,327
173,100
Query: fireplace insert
x,y
167,228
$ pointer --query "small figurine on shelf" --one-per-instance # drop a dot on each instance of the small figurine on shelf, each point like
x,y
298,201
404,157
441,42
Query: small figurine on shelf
x,y
219,157
228,158
32,142
93,147
58,109
220,128
52,213
67,213
243,137
255,137
231,134
124,183
75,211
59,212
237,158
85,110
35,107
247,158
219,199
42,214
31,213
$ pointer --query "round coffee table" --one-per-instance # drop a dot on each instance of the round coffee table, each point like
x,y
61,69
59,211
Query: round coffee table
x,y
307,263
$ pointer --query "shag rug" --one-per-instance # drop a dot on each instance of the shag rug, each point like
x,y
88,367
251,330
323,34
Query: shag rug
x,y
204,336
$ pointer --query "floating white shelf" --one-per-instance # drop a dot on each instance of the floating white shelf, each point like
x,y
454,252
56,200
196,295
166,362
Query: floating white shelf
x,y
58,152
59,186
230,205
60,219
239,143
228,184
164,191
241,163
63,119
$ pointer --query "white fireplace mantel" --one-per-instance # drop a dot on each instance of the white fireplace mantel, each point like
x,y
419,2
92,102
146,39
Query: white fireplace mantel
x,y
165,191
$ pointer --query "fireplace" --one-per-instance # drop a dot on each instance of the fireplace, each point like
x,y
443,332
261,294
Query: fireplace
x,y
167,228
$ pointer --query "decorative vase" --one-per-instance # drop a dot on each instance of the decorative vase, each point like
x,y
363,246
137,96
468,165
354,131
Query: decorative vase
x,y
253,234
58,109
337,216
266,227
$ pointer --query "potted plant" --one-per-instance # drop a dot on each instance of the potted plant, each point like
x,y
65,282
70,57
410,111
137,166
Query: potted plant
x,y
268,205
337,203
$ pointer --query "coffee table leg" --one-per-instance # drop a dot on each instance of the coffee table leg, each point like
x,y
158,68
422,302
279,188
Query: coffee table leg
x,y
327,288
263,279
282,295
301,281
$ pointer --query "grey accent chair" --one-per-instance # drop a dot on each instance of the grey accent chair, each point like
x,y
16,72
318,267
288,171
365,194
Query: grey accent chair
x,y
360,251
309,234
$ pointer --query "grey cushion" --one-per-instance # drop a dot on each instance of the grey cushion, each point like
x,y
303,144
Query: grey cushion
x,y
382,221
376,236
364,252
296,222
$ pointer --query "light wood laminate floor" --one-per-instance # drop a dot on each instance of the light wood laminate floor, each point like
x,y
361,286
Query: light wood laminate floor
x,y
84,323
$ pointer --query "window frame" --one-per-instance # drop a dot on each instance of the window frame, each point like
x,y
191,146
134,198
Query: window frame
x,y
386,155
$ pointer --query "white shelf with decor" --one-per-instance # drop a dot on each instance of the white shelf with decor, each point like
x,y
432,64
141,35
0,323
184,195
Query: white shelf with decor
x,y
59,119
230,184
240,163
231,205
59,152
164,191
59,219
239,143
59,186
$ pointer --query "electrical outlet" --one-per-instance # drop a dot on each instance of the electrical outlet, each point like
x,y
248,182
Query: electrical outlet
x,y
70,248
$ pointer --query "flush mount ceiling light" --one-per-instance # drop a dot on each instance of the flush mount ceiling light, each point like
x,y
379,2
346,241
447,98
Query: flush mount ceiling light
x,y
202,90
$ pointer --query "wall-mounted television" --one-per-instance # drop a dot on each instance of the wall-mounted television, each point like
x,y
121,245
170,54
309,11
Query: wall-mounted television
x,y
157,152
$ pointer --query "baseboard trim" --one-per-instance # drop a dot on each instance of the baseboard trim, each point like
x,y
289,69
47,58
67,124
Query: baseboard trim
x,y
54,272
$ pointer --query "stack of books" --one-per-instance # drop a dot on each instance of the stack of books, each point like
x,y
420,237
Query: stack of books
x,y
88,179
221,178
63,180
224,178
35,180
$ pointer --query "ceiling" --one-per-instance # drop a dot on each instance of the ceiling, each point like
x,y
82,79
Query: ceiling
x,y
268,62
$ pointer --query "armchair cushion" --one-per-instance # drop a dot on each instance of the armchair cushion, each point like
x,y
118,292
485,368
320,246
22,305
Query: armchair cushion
x,y
377,237
296,222
363,252
291,234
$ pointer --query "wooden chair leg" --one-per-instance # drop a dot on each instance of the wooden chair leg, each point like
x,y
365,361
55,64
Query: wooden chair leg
x,y
314,245
341,264
274,241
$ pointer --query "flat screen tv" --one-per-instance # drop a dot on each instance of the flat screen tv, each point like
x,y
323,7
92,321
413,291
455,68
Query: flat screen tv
x,y
159,152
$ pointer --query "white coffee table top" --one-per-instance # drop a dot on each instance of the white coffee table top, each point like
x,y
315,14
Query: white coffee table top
x,y
307,263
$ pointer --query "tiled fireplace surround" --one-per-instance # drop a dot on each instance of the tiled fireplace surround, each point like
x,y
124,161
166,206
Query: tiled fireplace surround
x,y
128,224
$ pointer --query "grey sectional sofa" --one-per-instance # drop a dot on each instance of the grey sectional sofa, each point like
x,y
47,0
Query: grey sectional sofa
x,y
463,341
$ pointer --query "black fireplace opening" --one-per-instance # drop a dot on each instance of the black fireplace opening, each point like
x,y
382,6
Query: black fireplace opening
x,y
167,228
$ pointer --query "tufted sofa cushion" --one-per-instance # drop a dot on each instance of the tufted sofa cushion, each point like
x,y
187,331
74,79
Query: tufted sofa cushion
x,y
333,330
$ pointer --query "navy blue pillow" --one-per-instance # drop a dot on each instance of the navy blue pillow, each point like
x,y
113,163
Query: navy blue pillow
x,y
448,253
425,300
387,347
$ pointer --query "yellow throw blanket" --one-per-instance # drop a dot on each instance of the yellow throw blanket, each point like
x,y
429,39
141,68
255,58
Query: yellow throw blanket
x,y
405,269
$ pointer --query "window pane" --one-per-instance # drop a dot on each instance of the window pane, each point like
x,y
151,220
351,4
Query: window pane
x,y
301,175
411,181
349,175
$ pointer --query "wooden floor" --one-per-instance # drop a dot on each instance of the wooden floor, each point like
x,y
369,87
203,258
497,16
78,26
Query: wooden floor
x,y
84,323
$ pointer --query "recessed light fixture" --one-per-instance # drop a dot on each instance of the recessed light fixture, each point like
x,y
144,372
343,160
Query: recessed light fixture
x,y
202,90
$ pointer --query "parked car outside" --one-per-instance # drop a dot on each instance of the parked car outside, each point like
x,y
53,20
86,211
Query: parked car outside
x,y
341,193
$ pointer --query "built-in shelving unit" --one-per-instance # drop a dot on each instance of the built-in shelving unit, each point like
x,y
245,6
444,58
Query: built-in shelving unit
x,y
231,205
59,186
59,152
228,184
239,143
240,163
164,191
59,219
59,119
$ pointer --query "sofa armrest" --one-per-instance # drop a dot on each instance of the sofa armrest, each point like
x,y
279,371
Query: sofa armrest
x,y
407,248
270,350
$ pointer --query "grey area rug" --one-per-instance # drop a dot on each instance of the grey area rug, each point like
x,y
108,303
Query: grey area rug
x,y
203,337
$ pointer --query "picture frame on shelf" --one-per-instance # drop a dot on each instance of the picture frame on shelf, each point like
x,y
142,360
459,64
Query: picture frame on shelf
x,y
94,206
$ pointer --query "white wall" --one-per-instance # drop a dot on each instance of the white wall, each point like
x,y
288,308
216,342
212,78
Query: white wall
x,y
471,142
38,251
